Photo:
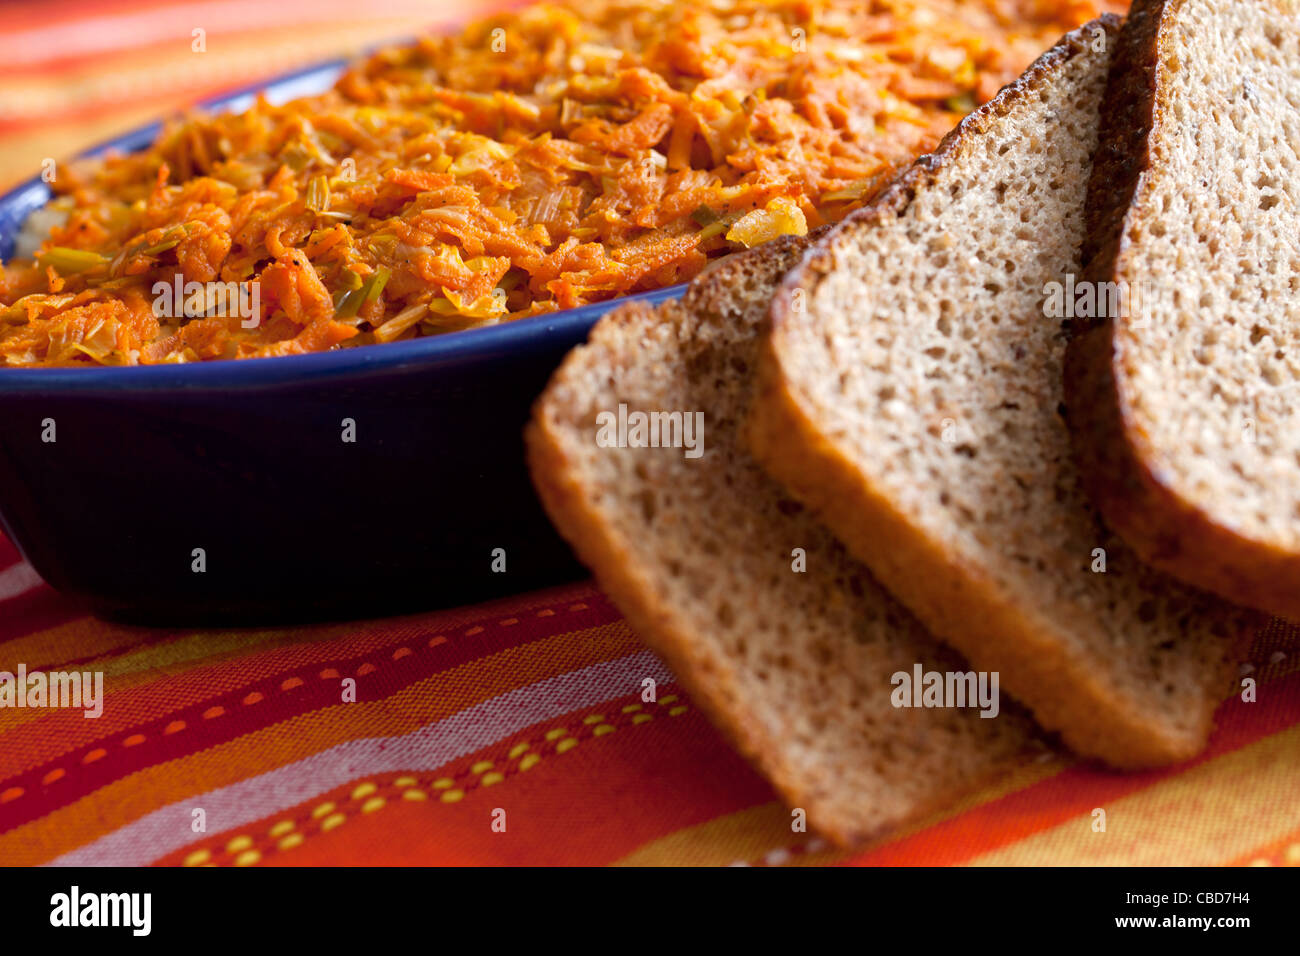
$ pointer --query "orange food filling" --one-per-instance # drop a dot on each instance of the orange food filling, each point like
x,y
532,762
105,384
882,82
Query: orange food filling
x,y
539,160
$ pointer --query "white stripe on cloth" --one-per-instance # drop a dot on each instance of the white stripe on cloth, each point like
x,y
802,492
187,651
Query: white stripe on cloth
x,y
168,829
17,579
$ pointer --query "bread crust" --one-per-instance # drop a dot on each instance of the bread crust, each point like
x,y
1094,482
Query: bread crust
x,y
1115,459
603,549
708,677
963,603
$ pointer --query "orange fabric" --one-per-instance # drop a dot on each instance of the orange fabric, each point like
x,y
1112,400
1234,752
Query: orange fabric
x,y
526,712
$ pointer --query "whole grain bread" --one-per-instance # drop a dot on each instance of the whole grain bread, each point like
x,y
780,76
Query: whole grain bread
x,y
1185,407
910,390
787,644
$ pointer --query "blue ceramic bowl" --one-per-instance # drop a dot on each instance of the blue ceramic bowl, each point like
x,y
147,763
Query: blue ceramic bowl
x,y
245,460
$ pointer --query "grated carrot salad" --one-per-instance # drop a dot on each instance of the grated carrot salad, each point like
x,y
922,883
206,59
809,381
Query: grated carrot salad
x,y
538,160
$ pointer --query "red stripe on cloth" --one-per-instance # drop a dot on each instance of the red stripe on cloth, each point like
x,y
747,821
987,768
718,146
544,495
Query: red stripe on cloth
x,y
574,608
1077,790
226,716
37,610
141,641
28,16
589,805
33,609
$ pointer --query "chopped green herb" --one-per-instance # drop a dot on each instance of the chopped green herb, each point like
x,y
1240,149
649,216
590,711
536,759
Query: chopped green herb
x,y
160,247
704,216
375,284
348,304
71,261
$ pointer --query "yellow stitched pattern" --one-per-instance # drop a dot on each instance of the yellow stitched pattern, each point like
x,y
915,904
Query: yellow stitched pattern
x,y
370,796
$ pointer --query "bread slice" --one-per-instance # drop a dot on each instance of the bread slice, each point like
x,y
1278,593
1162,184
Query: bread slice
x,y
700,554
1186,406
910,392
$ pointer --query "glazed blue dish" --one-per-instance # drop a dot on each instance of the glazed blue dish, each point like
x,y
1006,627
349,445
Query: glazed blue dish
x,y
240,468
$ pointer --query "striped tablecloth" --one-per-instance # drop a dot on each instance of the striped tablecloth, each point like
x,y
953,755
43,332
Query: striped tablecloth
x,y
511,732
525,712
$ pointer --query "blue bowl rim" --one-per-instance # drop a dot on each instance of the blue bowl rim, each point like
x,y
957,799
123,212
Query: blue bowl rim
x,y
521,335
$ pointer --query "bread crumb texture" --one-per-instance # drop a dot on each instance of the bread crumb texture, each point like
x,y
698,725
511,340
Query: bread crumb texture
x,y
1209,368
794,666
922,358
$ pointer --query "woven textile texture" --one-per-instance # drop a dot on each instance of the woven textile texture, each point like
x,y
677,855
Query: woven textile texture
x,y
527,712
